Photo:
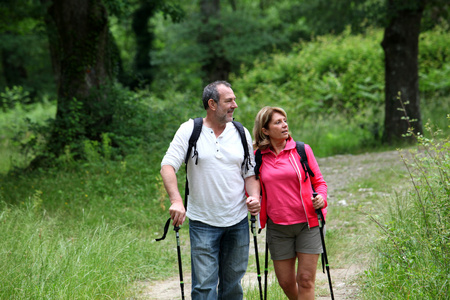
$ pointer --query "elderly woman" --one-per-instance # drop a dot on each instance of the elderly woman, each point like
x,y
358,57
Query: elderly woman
x,y
287,204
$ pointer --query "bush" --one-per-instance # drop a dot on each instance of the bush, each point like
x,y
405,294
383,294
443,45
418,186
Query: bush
x,y
339,80
414,248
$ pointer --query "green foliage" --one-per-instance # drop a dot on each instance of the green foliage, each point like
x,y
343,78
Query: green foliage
x,y
414,246
178,55
340,81
317,82
434,62
333,17
24,48
16,129
14,96
327,75
132,128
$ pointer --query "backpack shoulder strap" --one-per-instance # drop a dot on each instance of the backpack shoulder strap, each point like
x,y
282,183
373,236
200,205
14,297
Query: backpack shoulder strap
x,y
258,162
240,129
304,162
304,159
198,123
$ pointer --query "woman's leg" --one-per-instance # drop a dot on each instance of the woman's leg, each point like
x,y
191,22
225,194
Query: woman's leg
x,y
306,275
285,271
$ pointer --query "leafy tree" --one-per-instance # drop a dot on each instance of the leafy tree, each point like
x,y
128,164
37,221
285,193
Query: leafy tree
x,y
80,47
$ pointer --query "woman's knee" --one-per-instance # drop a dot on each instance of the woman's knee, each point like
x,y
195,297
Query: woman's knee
x,y
305,280
286,284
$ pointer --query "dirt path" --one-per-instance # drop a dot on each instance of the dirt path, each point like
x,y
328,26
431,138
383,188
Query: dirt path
x,y
340,172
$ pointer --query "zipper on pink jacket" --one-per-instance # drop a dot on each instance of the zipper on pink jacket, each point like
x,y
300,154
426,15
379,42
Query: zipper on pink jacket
x,y
299,175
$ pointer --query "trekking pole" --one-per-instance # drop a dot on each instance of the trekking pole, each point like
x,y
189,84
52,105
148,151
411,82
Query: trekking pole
x,y
255,239
180,267
266,268
324,256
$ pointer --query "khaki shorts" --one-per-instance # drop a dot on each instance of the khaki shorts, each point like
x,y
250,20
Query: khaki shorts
x,y
286,240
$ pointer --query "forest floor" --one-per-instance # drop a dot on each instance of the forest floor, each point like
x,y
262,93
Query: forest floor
x,y
340,173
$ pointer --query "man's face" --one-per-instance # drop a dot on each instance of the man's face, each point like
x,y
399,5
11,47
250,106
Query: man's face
x,y
227,104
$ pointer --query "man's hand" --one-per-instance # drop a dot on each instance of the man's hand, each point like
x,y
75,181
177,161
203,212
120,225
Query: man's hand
x,y
253,205
177,213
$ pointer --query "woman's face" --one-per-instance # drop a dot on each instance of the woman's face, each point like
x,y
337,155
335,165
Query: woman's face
x,y
278,129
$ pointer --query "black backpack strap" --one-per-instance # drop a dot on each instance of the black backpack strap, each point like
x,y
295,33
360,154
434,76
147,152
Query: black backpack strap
x,y
258,162
304,162
240,129
304,159
198,123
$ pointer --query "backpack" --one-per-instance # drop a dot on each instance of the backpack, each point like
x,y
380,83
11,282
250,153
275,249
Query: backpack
x,y
198,123
303,160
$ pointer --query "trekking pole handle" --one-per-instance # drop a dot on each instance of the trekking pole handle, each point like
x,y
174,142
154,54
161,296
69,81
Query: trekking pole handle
x,y
253,220
314,196
318,211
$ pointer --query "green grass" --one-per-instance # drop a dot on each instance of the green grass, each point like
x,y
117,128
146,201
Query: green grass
x,y
46,258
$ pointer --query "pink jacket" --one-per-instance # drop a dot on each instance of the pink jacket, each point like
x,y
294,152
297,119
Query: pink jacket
x,y
317,181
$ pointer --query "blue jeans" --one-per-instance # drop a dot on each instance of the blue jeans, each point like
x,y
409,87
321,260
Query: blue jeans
x,y
218,254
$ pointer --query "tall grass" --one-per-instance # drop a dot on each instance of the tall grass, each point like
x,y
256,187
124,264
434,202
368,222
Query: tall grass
x,y
413,259
84,232
45,258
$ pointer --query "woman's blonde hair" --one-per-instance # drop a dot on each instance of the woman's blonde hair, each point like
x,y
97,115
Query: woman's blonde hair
x,y
262,141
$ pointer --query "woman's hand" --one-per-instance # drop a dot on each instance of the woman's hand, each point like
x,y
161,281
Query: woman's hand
x,y
318,202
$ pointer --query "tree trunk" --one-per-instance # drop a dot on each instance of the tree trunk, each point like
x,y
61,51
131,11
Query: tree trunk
x,y
82,62
144,39
401,49
215,66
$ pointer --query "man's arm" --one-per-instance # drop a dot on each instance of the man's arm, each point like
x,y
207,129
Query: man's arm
x,y
253,188
177,210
